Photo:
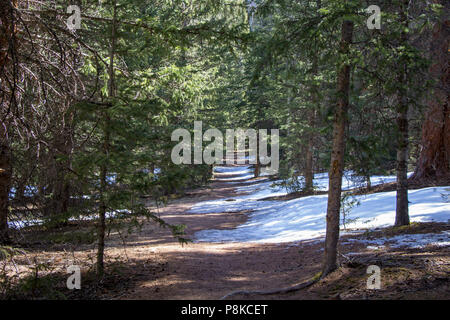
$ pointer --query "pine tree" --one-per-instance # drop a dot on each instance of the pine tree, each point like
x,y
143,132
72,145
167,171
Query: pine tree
x,y
434,162
337,153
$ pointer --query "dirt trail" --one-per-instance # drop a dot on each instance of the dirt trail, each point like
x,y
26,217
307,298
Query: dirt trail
x,y
163,269
210,270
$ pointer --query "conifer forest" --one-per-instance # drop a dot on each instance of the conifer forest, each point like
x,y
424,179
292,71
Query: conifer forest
x,y
224,150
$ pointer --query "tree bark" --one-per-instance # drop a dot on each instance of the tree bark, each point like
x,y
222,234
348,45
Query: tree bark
x,y
309,168
5,183
257,170
106,145
101,230
7,46
337,155
402,213
434,160
61,186
309,174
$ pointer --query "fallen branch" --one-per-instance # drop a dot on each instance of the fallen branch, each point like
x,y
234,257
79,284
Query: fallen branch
x,y
298,287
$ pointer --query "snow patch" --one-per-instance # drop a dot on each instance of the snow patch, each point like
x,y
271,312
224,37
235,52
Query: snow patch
x,y
415,241
304,218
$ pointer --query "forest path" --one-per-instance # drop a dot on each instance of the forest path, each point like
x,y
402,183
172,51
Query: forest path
x,y
160,268
166,270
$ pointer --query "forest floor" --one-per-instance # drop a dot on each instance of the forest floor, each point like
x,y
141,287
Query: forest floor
x,y
151,264
212,270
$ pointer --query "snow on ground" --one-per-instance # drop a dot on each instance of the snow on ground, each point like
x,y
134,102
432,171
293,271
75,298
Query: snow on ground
x,y
233,170
19,224
304,218
349,181
235,179
407,240
238,173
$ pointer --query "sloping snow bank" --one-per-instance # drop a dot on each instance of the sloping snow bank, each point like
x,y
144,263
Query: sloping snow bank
x,y
304,218
263,189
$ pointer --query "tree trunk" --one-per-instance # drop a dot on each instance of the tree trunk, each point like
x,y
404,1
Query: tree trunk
x,y
101,230
7,45
309,167
5,183
402,214
309,174
434,160
106,145
61,187
337,155
257,170
368,182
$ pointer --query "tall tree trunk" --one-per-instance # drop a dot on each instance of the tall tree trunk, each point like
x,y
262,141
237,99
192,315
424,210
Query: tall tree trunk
x,y
106,146
337,155
103,204
257,170
434,160
309,173
402,214
61,187
7,47
5,183
368,183
309,167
